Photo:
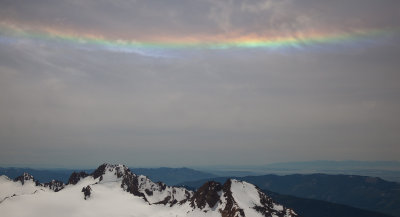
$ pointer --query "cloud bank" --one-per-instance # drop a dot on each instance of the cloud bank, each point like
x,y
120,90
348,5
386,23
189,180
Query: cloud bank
x,y
65,102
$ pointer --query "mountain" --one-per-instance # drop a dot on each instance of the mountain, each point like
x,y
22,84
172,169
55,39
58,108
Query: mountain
x,y
318,208
235,173
41,175
172,176
113,190
389,170
363,192
325,164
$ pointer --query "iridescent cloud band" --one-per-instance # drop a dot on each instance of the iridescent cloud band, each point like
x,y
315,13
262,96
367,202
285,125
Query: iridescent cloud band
x,y
209,42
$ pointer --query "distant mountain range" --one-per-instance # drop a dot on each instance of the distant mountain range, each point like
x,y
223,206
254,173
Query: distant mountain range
x,y
41,175
338,164
170,176
318,208
388,170
362,192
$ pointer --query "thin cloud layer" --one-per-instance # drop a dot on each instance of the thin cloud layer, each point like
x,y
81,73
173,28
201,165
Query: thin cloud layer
x,y
64,102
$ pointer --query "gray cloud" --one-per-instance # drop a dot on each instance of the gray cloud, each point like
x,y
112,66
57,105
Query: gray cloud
x,y
63,106
140,19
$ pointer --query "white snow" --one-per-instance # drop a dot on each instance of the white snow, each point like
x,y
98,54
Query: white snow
x,y
246,196
8,188
159,194
110,176
278,207
109,199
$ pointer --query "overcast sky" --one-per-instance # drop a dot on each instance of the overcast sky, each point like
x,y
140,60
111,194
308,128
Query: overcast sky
x,y
72,104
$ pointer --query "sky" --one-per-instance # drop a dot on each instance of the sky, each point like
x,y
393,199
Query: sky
x,y
198,83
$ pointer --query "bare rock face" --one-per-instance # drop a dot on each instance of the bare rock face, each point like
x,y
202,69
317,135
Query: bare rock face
x,y
25,177
76,177
55,185
99,171
231,208
213,196
206,194
130,183
86,191
119,171
129,180
268,208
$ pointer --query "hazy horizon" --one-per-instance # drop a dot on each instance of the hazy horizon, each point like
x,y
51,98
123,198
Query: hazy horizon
x,y
182,83
317,163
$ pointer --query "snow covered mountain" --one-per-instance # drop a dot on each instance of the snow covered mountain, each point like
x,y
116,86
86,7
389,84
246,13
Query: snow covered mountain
x,y
113,190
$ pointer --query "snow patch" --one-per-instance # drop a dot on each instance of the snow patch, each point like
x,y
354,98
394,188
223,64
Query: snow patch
x,y
246,196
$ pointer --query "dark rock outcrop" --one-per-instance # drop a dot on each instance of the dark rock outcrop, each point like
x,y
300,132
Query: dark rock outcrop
x,y
209,193
55,185
75,177
267,207
165,201
231,209
119,170
26,177
130,184
86,191
99,171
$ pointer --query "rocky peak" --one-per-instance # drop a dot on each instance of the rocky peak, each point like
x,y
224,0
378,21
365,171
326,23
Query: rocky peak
x,y
268,208
160,193
117,170
25,177
55,185
76,177
130,183
248,198
237,199
99,171
209,193
231,208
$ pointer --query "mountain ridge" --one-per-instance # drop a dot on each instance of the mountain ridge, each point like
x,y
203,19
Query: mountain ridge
x,y
168,175
369,193
109,183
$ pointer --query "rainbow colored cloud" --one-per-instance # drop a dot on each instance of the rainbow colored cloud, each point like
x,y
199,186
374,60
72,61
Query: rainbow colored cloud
x,y
250,41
